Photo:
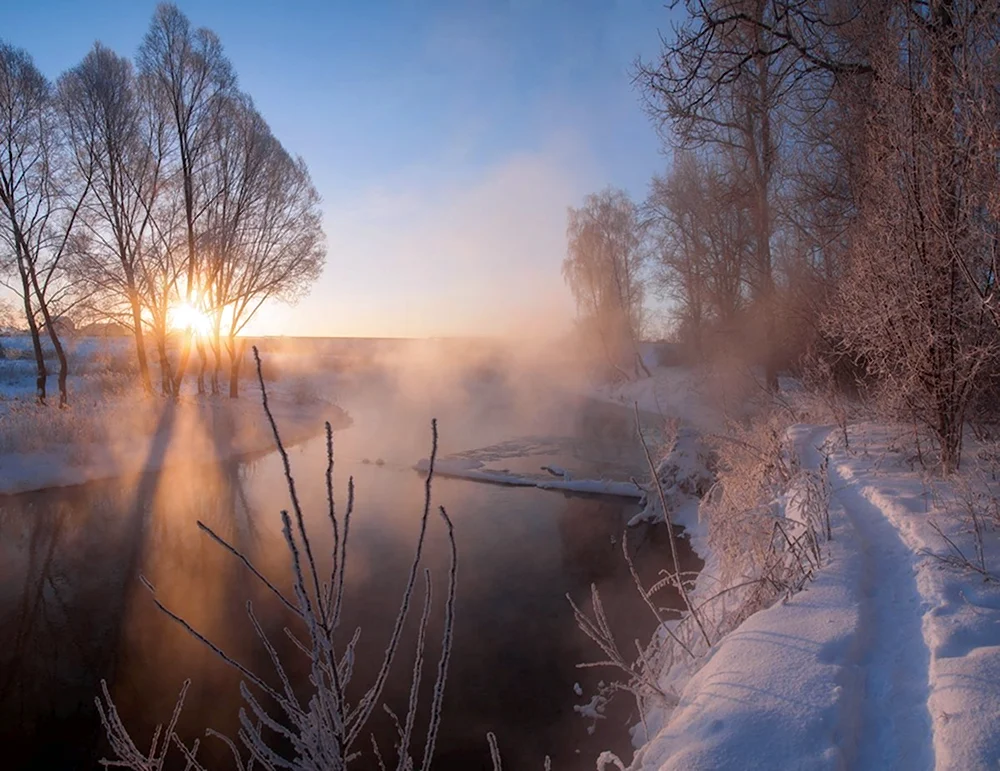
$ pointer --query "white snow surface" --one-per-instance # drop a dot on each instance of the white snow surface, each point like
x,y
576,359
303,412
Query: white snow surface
x,y
671,391
887,660
108,438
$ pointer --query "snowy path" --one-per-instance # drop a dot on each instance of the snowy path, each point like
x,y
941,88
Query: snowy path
x,y
837,677
888,660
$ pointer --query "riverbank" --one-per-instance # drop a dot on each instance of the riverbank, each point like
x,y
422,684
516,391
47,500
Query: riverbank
x,y
105,436
888,656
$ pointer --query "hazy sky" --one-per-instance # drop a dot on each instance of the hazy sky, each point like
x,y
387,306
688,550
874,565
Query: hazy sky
x,y
446,139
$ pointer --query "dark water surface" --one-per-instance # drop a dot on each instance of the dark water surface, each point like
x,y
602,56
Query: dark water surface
x,y
72,610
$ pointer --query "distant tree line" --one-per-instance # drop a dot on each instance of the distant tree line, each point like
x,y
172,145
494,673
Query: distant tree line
x,y
833,196
132,189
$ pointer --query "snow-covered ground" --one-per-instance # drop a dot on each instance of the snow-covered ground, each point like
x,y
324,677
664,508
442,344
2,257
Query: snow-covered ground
x,y
888,659
111,429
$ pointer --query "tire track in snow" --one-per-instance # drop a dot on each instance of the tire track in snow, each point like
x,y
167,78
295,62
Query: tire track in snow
x,y
888,661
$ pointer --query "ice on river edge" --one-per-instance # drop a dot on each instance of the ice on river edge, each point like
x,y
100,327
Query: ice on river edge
x,y
474,470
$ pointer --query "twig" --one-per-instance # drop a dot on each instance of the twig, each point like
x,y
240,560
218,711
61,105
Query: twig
x,y
670,527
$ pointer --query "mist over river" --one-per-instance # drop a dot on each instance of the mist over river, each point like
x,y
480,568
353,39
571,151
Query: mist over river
x,y
72,609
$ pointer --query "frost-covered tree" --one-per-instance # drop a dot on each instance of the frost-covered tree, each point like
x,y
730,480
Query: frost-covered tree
x,y
190,77
919,301
722,81
703,234
604,268
40,201
263,237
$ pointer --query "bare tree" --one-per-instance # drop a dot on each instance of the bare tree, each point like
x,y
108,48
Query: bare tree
x,y
190,76
115,135
723,81
703,234
606,256
40,202
23,94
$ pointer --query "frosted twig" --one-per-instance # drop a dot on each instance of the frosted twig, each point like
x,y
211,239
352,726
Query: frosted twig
x,y
446,644
670,527
361,713
646,597
249,566
418,664
491,739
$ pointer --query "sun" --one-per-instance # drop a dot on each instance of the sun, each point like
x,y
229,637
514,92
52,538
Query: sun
x,y
186,316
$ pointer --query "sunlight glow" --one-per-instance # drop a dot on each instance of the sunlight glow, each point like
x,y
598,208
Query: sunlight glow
x,y
187,316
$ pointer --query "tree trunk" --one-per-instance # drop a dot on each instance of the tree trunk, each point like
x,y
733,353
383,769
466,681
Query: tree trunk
x,y
203,364
182,362
217,369
763,166
42,374
140,344
216,343
60,354
166,376
53,336
236,352
188,182
234,379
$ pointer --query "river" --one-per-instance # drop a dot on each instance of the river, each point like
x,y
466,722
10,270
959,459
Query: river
x,y
72,610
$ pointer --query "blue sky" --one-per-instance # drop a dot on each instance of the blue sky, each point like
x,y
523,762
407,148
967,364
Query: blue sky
x,y
446,139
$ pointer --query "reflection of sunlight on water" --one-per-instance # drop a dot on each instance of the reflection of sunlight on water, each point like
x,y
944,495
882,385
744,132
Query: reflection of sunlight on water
x,y
191,575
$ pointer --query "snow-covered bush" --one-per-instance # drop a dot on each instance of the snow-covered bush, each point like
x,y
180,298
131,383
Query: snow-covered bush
x,y
685,472
765,521
968,506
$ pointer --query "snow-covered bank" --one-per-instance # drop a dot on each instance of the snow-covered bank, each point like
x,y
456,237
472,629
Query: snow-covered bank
x,y
671,392
109,438
889,658
473,470
785,689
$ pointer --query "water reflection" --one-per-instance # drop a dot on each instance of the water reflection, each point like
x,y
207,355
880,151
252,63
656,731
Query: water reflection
x,y
72,610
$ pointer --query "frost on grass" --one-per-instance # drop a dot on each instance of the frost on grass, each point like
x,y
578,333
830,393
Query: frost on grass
x,y
319,727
